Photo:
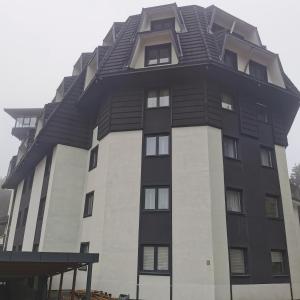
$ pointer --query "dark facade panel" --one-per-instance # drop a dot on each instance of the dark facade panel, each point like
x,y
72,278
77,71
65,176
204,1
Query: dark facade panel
x,y
248,118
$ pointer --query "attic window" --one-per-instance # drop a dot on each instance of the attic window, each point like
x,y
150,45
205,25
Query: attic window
x,y
230,59
163,24
158,55
258,71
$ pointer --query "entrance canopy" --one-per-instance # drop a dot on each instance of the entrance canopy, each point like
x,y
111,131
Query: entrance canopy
x,y
15,265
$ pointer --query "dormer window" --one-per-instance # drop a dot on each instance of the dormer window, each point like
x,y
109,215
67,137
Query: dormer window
x,y
163,24
258,71
158,55
230,59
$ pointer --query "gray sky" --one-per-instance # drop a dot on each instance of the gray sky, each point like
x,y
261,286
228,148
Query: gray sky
x,y
41,40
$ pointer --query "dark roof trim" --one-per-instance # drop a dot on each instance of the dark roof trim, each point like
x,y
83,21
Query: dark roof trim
x,y
23,112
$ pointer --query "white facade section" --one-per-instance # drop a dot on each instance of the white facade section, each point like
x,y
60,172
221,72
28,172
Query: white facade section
x,y
291,225
262,292
14,216
63,203
246,52
34,205
112,230
200,249
154,287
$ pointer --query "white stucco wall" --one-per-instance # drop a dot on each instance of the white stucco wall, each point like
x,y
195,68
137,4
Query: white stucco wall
x,y
291,226
34,205
63,203
154,287
261,292
112,230
14,217
200,249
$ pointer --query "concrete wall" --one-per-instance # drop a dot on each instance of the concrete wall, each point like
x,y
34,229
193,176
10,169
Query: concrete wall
x,y
34,205
291,226
112,230
200,250
154,287
14,216
63,203
261,292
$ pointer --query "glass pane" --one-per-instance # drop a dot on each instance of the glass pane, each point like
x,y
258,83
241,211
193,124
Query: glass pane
x,y
163,198
150,198
19,122
230,148
90,204
271,205
26,122
151,145
152,58
163,148
277,262
227,102
233,200
164,55
148,261
164,98
162,258
266,157
152,99
32,122
237,261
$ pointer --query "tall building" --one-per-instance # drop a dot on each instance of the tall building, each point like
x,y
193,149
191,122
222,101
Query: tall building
x,y
164,152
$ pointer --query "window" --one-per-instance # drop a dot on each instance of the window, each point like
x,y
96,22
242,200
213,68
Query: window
x,y
88,205
227,102
20,247
156,198
158,98
217,28
163,24
158,55
157,145
25,216
14,248
234,200
237,261
271,207
230,147
84,248
155,259
26,122
262,113
277,262
266,157
19,219
93,158
258,71
230,59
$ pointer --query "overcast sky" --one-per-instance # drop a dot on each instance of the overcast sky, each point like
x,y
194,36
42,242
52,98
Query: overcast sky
x,y
41,40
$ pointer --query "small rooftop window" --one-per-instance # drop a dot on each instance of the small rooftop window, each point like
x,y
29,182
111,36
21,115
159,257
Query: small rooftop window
x,y
163,24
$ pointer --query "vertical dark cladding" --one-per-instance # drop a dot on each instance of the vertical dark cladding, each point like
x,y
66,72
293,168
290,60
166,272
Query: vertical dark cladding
x,y
40,216
22,213
252,230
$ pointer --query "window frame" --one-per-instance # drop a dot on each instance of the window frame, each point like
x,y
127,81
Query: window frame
x,y
231,55
84,268
266,116
254,66
246,266
157,145
158,48
233,102
156,206
87,203
276,198
93,162
155,269
236,147
270,153
240,191
157,92
283,264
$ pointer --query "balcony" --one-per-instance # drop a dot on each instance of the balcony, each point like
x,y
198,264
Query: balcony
x,y
25,120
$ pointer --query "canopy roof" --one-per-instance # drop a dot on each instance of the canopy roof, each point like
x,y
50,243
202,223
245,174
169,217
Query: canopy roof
x,y
23,112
